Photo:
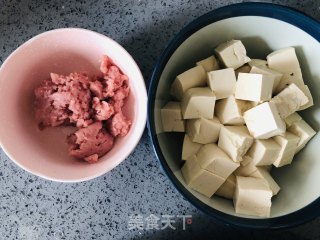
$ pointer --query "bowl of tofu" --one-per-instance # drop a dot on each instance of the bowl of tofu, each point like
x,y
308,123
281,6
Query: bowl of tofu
x,y
234,118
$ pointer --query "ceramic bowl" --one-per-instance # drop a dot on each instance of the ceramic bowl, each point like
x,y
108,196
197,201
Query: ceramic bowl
x,y
44,153
262,28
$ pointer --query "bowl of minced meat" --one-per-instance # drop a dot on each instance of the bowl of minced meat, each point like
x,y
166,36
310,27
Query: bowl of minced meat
x,y
73,105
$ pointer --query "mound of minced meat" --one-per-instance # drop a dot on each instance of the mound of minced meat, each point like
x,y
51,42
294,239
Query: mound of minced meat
x,y
91,103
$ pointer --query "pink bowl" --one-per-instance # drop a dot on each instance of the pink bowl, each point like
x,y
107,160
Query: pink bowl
x,y
44,153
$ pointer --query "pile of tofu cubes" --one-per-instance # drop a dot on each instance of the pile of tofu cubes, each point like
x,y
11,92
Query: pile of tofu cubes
x,y
239,116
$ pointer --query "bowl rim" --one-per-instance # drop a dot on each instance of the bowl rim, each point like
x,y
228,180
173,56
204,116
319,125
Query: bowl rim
x,y
282,13
142,96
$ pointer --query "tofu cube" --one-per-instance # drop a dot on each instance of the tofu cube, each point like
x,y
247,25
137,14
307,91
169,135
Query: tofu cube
x,y
246,170
303,131
230,110
198,102
268,168
244,69
283,60
263,121
289,100
254,104
254,87
246,160
294,117
194,77
200,179
203,130
189,148
252,197
295,76
269,72
305,89
289,143
227,188
264,152
172,118
222,82
209,64
235,141
258,63
232,54
213,159
267,178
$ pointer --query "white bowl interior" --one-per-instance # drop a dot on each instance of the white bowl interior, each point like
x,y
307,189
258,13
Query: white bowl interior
x,y
261,35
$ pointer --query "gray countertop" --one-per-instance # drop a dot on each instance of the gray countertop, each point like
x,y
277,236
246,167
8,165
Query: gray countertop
x,y
33,208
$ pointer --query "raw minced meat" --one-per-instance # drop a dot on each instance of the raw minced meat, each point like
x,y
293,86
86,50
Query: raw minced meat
x,y
86,102
103,110
64,100
119,125
91,142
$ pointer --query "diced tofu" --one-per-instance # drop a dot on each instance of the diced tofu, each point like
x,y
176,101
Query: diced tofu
x,y
199,179
189,148
269,181
257,63
194,77
267,71
246,170
203,130
305,89
254,87
252,197
254,104
295,76
303,131
228,187
179,126
213,159
264,152
246,160
294,117
222,82
172,118
244,69
263,121
198,102
232,54
289,100
289,144
267,167
230,110
235,141
283,60
209,64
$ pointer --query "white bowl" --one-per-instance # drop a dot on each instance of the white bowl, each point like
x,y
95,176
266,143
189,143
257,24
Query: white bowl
x,y
262,28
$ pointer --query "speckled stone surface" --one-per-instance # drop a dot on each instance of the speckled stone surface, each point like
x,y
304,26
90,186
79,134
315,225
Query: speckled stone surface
x,y
33,208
